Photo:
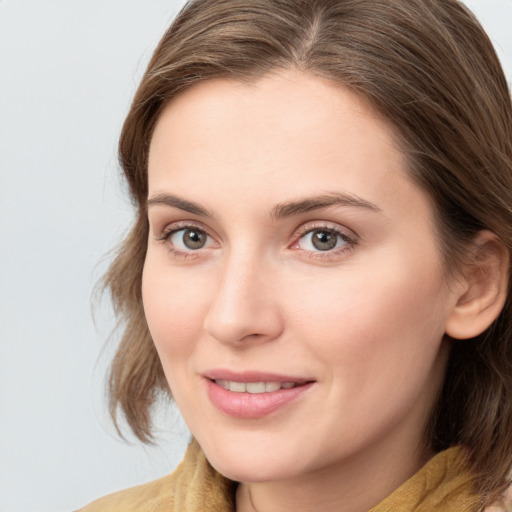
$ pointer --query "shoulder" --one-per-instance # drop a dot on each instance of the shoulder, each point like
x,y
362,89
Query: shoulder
x,y
194,486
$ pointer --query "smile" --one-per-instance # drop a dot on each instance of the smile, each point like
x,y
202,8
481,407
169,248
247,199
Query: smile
x,y
248,397
254,387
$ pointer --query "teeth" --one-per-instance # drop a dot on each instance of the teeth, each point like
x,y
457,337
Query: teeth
x,y
272,386
254,387
223,383
237,387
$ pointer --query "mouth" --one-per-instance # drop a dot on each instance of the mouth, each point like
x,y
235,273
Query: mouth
x,y
254,395
254,387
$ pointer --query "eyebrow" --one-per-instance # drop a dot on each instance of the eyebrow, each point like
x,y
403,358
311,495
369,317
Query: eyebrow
x,y
281,210
308,204
179,203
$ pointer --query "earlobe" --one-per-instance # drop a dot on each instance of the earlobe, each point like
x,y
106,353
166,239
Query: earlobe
x,y
483,288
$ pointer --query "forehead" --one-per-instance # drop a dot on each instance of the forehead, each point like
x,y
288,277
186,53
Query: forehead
x,y
288,101
288,134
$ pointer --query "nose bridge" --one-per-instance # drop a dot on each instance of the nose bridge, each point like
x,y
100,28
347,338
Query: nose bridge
x,y
243,308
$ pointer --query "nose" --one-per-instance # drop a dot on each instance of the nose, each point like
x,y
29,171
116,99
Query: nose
x,y
244,310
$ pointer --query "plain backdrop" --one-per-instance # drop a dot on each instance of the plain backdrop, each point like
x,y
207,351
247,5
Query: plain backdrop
x,y
68,69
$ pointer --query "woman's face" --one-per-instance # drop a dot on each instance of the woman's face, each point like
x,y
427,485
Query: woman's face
x,y
292,260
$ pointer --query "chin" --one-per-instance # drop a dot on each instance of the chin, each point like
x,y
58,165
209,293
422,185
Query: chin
x,y
251,463
252,471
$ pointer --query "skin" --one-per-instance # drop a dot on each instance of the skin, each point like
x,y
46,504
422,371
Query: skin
x,y
364,321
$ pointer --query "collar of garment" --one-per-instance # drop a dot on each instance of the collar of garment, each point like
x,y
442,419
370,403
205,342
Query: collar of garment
x,y
444,484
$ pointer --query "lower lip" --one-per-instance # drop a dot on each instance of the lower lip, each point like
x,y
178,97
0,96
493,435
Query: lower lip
x,y
252,405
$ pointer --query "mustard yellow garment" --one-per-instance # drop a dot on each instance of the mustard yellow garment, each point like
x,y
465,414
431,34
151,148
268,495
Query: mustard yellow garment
x,y
442,485
194,487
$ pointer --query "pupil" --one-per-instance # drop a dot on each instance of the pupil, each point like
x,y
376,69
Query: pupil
x,y
324,240
194,239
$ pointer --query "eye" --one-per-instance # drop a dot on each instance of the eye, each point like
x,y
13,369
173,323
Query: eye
x,y
188,239
322,240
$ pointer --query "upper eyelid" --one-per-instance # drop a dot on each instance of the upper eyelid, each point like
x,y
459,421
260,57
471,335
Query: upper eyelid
x,y
303,229
182,224
168,231
307,227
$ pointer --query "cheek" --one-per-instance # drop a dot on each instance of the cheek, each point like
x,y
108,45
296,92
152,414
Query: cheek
x,y
174,307
378,343
378,320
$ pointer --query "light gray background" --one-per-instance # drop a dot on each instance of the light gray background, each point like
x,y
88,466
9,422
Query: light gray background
x,y
68,69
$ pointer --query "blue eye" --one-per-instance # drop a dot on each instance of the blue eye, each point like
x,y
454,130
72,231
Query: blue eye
x,y
188,239
322,240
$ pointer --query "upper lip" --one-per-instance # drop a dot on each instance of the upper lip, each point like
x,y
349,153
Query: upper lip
x,y
253,376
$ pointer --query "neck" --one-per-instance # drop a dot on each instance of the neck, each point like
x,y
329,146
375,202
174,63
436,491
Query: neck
x,y
355,485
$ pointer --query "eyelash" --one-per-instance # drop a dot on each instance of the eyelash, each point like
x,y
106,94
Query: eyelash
x,y
349,241
171,230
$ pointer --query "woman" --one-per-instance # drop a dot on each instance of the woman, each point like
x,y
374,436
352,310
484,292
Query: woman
x,y
319,268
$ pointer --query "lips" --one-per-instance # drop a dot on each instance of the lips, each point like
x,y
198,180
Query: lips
x,y
252,395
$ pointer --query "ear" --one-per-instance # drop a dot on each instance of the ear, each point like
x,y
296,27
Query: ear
x,y
483,288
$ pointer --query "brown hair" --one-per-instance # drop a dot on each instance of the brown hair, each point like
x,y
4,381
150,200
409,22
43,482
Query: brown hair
x,y
430,69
